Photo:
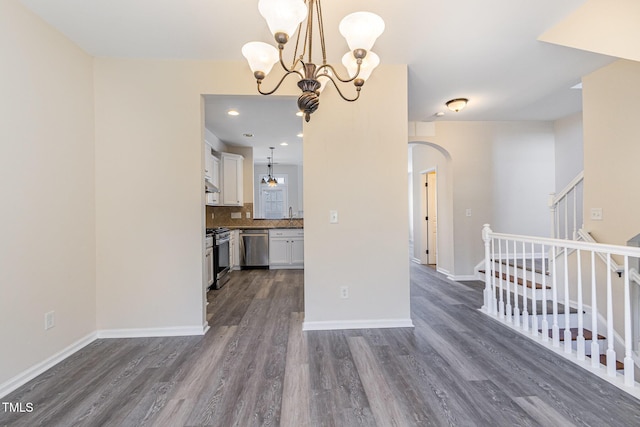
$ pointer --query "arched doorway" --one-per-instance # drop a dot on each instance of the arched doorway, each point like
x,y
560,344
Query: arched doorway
x,y
431,231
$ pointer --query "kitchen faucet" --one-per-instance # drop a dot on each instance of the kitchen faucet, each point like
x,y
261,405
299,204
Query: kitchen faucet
x,y
290,215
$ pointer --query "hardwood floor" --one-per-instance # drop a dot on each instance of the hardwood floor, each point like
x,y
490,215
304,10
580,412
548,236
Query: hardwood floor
x,y
256,367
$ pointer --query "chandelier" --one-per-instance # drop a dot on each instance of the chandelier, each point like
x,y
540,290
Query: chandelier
x,y
270,181
360,29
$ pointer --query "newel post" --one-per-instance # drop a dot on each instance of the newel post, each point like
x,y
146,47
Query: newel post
x,y
489,306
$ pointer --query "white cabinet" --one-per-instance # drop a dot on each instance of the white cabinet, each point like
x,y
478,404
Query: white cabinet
x,y
286,248
212,174
208,260
232,182
234,250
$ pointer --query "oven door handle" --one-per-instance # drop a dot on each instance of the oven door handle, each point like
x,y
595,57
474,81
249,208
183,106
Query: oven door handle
x,y
223,240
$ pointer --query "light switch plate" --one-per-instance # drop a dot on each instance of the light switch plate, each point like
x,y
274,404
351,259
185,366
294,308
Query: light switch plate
x,y
596,214
236,215
333,217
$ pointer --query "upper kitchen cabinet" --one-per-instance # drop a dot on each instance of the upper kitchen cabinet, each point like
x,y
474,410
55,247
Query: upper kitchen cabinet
x,y
212,174
232,181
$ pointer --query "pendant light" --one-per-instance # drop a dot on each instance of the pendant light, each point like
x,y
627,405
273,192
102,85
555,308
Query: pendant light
x,y
271,181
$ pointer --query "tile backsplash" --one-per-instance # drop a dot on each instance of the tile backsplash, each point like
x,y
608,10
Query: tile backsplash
x,y
236,216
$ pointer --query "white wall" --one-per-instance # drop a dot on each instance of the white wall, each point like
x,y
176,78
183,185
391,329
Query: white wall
x,y
568,149
215,142
502,172
523,177
47,219
355,162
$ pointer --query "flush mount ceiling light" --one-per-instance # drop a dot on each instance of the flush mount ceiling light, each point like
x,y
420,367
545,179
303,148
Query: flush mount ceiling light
x,y
233,113
457,104
361,29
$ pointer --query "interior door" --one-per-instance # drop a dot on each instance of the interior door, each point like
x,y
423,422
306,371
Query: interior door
x,y
432,219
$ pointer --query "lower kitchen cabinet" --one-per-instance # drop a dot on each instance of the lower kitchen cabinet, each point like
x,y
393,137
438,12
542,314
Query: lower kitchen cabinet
x,y
286,248
234,250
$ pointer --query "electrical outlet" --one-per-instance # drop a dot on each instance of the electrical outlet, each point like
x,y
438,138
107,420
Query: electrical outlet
x,y
468,212
596,214
213,216
248,214
344,292
49,320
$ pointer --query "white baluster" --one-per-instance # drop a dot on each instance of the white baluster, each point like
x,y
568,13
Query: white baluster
x,y
545,322
516,309
595,348
628,358
525,305
611,353
486,231
580,342
494,302
552,209
575,213
567,311
555,329
509,313
500,280
534,296
566,221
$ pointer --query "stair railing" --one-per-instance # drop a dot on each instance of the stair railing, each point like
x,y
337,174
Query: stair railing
x,y
566,209
566,269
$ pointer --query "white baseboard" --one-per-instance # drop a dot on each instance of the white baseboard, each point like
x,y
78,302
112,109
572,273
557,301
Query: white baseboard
x,y
357,324
443,271
26,376
178,331
462,277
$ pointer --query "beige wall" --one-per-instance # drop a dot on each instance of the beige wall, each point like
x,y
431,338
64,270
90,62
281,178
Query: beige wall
x,y
150,215
355,162
612,150
47,221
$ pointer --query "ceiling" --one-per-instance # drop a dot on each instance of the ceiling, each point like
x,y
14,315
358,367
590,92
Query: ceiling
x,y
271,120
487,51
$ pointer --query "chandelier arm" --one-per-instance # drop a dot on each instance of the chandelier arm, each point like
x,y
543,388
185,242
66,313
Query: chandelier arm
x,y
296,58
321,30
341,94
310,30
295,62
279,83
335,73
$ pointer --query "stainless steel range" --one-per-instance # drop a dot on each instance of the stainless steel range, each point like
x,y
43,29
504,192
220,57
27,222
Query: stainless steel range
x,y
221,255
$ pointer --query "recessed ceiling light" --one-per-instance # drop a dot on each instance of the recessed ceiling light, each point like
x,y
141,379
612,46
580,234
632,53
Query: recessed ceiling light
x,y
233,113
247,135
300,135
439,114
299,114
284,144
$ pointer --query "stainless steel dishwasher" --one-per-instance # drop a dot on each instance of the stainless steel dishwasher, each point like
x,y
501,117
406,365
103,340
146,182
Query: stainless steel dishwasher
x,y
254,248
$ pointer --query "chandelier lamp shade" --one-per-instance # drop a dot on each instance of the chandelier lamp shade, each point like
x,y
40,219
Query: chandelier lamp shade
x,y
285,19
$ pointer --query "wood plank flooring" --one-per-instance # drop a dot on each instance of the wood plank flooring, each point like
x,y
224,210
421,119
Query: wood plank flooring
x,y
256,367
